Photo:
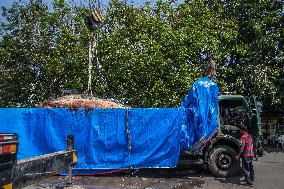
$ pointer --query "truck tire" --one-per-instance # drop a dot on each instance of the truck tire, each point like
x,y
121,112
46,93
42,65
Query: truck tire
x,y
222,161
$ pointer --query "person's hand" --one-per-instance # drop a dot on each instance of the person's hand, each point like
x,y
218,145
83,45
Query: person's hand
x,y
237,157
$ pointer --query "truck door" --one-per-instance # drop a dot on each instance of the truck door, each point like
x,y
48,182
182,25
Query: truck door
x,y
255,129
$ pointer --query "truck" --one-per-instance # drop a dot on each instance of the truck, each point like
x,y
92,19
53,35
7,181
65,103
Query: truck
x,y
136,138
218,154
19,173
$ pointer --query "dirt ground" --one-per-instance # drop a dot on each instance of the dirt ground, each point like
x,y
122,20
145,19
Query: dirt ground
x,y
269,173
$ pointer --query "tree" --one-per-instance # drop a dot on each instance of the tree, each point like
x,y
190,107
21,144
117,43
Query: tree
x,y
254,64
150,55
42,52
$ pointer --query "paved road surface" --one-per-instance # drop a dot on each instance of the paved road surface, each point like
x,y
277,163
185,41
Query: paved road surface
x,y
269,174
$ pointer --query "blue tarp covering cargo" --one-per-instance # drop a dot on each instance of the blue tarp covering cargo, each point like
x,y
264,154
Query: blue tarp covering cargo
x,y
104,138
201,110
118,138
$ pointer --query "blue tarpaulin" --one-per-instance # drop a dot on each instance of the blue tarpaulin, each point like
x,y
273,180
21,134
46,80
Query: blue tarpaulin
x,y
201,113
104,138
118,138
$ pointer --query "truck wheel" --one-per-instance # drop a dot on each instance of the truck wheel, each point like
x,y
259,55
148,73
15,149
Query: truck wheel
x,y
222,161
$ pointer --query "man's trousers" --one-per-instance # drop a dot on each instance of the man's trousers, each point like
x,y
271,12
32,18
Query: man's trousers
x,y
248,168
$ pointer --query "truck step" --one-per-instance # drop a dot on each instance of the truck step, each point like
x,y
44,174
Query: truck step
x,y
184,162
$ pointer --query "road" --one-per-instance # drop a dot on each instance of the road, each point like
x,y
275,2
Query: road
x,y
269,173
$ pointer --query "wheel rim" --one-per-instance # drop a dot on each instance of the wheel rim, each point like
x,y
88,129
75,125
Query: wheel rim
x,y
224,162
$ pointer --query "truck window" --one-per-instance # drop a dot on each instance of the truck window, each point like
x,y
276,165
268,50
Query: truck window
x,y
233,112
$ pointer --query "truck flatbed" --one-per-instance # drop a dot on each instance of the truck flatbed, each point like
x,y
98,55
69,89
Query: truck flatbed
x,y
17,174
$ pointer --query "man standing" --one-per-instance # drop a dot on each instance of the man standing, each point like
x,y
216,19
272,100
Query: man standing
x,y
246,151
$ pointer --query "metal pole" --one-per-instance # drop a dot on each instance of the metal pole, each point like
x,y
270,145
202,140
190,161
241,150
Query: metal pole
x,y
70,147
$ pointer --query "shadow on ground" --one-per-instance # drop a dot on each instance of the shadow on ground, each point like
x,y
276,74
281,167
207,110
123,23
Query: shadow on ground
x,y
271,148
175,178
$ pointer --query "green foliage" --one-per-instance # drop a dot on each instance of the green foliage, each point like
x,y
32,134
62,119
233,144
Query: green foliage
x,y
42,52
156,51
150,55
255,64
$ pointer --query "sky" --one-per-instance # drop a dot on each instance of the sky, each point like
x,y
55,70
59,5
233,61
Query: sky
x,y
8,3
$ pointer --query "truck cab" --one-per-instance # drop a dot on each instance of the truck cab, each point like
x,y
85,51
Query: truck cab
x,y
218,154
234,111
